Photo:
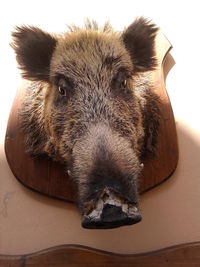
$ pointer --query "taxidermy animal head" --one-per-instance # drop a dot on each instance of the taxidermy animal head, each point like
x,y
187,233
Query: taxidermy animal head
x,y
90,106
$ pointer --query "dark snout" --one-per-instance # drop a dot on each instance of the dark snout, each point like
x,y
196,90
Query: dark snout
x,y
110,212
111,217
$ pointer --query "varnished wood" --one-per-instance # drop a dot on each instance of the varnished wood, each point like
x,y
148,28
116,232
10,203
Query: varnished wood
x,y
186,255
48,177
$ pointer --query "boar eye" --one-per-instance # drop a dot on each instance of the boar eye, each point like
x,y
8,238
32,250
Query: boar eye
x,y
121,77
62,86
120,81
62,90
65,86
124,83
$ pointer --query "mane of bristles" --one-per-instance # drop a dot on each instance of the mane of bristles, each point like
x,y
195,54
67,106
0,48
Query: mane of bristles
x,y
92,25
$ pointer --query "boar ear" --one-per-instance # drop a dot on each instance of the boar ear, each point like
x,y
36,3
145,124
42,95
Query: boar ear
x,y
34,49
139,41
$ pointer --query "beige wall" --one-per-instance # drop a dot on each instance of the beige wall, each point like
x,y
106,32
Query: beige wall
x,y
171,215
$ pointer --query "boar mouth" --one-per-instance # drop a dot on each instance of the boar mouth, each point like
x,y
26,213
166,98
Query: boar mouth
x,y
111,211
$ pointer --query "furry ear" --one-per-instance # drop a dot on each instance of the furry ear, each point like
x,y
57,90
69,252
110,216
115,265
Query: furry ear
x,y
34,49
139,41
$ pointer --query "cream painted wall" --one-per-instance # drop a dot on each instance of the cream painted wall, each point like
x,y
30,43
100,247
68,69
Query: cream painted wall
x,y
171,213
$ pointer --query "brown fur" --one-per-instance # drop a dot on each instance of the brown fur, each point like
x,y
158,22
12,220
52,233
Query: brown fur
x,y
101,128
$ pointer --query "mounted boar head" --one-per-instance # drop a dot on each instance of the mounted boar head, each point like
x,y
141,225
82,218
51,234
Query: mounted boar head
x,y
89,107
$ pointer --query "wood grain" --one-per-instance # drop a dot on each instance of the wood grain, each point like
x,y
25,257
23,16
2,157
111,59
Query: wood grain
x,y
186,255
49,178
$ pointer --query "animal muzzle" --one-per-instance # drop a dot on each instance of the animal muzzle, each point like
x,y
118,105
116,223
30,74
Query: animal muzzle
x,y
111,211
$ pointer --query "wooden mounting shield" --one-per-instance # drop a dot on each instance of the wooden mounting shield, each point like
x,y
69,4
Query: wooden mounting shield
x,y
49,178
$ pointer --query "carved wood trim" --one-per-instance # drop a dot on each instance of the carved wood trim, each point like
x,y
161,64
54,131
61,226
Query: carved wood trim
x,y
184,255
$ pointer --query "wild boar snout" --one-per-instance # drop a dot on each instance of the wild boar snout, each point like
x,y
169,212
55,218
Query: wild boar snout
x,y
106,169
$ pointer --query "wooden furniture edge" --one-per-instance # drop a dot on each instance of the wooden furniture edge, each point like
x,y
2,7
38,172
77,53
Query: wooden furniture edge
x,y
76,255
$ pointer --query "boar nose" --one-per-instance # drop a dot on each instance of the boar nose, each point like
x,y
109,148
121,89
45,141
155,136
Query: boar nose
x,y
111,213
111,217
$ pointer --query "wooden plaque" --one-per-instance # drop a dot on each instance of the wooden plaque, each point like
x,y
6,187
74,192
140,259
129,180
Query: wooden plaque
x,y
49,178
